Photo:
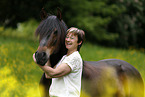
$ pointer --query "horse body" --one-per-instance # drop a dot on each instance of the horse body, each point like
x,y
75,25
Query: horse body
x,y
111,78
105,78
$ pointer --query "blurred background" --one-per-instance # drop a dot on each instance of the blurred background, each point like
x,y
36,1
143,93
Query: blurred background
x,y
118,23
114,29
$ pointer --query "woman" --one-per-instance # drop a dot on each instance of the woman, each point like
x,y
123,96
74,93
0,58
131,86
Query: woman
x,y
66,75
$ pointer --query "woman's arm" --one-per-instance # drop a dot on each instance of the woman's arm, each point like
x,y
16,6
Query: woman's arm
x,y
61,70
50,72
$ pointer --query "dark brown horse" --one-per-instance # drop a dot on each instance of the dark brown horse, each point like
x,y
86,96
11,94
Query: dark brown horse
x,y
105,78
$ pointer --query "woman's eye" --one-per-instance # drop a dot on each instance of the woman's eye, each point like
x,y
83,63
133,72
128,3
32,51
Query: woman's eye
x,y
70,37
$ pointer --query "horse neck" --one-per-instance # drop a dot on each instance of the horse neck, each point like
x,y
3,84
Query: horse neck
x,y
54,58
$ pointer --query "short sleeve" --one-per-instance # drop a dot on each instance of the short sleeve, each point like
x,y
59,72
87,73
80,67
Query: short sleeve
x,y
72,61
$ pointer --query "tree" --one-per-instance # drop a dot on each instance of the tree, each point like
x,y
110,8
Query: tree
x,y
129,24
93,16
117,23
14,11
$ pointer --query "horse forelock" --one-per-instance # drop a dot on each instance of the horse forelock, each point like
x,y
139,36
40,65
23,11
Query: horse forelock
x,y
47,28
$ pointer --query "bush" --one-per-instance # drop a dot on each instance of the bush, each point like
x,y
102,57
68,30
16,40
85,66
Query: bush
x,y
23,30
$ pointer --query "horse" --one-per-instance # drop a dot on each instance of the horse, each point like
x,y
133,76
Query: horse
x,y
104,78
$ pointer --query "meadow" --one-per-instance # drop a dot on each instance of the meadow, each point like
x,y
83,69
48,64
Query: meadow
x,y
20,75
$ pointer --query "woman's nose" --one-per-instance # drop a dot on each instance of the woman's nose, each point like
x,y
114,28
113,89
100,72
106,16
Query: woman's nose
x,y
67,39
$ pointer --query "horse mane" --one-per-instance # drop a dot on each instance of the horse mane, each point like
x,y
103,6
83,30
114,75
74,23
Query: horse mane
x,y
51,24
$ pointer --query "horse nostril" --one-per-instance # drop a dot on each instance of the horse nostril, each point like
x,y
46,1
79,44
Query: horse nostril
x,y
41,58
38,54
43,54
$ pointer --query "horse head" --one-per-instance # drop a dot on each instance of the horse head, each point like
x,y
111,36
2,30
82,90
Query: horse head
x,y
51,32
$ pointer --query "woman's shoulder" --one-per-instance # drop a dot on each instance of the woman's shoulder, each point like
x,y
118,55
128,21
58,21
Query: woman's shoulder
x,y
75,56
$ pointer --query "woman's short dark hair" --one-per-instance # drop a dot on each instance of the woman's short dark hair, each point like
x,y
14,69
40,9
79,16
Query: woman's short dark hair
x,y
80,33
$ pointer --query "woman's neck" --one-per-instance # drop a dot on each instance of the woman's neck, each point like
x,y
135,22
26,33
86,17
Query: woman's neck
x,y
70,52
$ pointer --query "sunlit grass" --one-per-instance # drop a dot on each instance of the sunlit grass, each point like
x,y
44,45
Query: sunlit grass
x,y
20,75
136,58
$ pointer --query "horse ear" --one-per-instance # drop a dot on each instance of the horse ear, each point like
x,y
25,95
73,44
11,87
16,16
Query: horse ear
x,y
59,16
43,14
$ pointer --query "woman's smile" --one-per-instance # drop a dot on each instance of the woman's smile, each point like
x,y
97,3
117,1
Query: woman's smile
x,y
71,42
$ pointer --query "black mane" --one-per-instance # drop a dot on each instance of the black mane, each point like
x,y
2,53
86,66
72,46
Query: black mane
x,y
51,25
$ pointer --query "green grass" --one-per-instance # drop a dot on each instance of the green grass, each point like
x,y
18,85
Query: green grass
x,y
20,75
136,58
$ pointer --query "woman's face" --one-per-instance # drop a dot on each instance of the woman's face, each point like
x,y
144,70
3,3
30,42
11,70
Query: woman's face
x,y
71,41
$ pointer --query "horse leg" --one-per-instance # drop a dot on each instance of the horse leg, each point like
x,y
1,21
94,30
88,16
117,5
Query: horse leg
x,y
44,86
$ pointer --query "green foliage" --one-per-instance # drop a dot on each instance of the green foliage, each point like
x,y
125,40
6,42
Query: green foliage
x,y
93,16
129,25
117,23
15,11
25,29
107,22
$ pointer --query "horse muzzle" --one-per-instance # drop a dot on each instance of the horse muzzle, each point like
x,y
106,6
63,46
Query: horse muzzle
x,y
41,58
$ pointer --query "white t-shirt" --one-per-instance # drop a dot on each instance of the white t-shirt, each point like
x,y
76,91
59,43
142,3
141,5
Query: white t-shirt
x,y
70,84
